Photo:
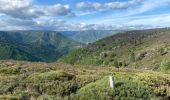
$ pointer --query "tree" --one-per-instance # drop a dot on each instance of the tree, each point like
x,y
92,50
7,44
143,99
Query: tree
x,y
120,64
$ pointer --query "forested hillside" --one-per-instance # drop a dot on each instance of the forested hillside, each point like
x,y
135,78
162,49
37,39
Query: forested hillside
x,y
35,45
146,49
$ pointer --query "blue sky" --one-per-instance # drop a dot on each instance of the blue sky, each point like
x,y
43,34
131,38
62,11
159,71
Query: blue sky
x,y
83,14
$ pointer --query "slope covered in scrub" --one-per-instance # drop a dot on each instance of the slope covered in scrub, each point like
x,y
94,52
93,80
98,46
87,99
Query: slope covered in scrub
x,y
144,49
27,80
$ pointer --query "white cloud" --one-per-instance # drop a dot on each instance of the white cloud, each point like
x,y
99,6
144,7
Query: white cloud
x,y
118,5
58,9
155,20
17,8
14,4
89,6
25,9
95,6
16,24
50,22
23,14
151,4
145,6
58,24
130,16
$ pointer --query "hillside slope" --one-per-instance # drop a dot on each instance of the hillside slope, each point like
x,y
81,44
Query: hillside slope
x,y
145,49
89,36
10,49
43,45
54,81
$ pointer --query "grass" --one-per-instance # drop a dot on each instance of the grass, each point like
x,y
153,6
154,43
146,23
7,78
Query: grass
x,y
62,81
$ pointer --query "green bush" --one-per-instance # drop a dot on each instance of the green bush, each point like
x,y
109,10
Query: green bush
x,y
124,90
49,76
9,70
165,66
55,83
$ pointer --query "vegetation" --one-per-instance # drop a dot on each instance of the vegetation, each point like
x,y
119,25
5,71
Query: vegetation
x,y
28,80
136,59
144,49
44,46
89,36
165,66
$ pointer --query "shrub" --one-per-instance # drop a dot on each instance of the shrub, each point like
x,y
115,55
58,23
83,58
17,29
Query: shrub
x,y
128,89
9,70
165,66
49,76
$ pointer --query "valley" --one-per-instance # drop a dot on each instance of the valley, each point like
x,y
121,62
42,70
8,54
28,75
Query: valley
x,y
45,46
89,36
138,60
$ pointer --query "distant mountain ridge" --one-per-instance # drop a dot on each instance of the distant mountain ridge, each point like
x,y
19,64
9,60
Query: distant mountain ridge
x,y
35,45
89,36
146,49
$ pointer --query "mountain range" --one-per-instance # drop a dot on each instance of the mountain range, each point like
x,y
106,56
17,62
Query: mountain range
x,y
89,36
35,45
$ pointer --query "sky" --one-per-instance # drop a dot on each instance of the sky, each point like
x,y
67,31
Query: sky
x,y
83,14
